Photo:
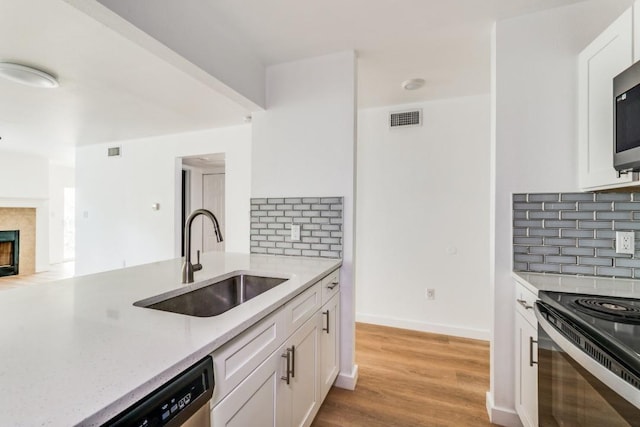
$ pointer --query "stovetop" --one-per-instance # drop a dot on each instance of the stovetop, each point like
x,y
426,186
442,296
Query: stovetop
x,y
612,321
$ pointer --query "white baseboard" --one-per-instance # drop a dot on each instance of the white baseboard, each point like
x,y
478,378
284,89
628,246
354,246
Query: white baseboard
x,y
501,416
347,381
478,334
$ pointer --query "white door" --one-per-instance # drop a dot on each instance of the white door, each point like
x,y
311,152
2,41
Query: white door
x,y
213,200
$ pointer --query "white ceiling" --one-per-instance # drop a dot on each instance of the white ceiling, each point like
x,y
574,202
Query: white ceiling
x,y
112,89
445,42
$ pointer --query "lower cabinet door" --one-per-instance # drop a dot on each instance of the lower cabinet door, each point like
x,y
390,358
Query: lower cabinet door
x,y
526,372
258,400
329,344
304,387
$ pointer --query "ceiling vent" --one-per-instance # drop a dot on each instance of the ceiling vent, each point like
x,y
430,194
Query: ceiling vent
x,y
114,151
401,119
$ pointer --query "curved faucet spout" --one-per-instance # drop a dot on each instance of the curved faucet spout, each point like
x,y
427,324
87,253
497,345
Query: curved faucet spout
x,y
187,267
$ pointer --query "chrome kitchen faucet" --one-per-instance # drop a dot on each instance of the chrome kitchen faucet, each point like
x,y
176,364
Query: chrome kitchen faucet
x,y
187,267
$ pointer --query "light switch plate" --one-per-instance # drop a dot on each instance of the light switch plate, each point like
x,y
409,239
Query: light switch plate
x,y
295,232
625,242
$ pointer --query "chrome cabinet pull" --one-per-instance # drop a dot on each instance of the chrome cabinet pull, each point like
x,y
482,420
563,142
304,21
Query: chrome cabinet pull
x,y
524,304
332,285
326,313
287,355
531,342
293,361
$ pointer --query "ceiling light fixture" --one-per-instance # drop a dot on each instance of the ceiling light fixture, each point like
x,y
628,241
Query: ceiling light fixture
x,y
27,75
412,84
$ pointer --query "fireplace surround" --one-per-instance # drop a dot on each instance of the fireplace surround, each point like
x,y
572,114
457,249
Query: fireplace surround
x,y
9,252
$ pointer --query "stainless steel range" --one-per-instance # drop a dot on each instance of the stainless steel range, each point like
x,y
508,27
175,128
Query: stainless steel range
x,y
588,360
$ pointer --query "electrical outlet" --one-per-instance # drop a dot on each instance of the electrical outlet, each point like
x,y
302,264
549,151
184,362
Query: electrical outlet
x,y
295,232
625,242
430,294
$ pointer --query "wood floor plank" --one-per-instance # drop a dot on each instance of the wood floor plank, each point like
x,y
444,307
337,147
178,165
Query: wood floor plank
x,y
410,378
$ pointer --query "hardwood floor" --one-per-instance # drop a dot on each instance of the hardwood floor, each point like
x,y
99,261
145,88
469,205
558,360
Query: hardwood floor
x,y
56,272
409,378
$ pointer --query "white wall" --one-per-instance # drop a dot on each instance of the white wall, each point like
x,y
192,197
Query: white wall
x,y
535,73
423,218
304,145
23,176
60,177
115,223
24,182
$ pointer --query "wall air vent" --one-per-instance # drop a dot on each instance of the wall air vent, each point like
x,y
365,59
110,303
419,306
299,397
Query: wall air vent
x,y
400,119
114,152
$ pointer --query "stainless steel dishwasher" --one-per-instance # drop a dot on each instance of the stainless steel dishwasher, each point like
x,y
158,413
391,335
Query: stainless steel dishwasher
x,y
182,401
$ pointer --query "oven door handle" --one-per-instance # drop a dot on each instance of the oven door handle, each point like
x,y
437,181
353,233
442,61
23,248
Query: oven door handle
x,y
617,384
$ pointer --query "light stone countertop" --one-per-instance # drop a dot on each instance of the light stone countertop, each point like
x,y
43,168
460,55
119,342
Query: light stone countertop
x,y
78,352
591,285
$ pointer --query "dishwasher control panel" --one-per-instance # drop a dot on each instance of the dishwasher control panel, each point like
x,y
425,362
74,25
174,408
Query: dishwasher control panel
x,y
174,402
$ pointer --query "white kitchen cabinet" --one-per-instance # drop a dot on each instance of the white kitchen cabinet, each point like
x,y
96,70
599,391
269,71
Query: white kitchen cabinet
x,y
526,351
330,344
258,386
235,360
304,385
257,401
608,55
283,391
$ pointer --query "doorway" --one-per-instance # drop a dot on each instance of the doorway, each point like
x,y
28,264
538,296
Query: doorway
x,y
203,187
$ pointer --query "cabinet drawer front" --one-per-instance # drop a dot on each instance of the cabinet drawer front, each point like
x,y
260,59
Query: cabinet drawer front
x,y
236,359
525,300
302,307
330,286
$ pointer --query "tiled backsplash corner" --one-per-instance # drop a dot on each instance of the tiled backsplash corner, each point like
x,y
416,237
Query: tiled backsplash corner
x,y
574,233
320,220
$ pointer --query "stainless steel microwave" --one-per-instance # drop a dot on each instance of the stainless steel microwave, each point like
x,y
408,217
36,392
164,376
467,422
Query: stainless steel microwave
x,y
626,119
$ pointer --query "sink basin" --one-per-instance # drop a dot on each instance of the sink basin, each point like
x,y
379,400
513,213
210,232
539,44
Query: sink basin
x,y
215,298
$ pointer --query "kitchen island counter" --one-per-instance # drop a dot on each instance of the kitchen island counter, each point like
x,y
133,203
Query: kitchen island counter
x,y
78,351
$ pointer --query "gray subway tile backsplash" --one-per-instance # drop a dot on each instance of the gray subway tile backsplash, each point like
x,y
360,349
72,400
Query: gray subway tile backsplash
x,y
577,197
555,197
320,220
574,233
614,271
613,197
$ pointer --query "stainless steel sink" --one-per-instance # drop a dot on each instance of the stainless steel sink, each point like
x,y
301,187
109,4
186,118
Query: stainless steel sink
x,y
215,298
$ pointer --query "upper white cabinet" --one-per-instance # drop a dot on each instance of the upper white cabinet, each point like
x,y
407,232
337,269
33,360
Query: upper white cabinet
x,y
607,56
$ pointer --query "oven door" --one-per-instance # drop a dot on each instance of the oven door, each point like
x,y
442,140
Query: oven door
x,y
569,390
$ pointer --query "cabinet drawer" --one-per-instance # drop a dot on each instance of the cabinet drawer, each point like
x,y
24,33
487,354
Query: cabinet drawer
x,y
236,359
525,300
302,307
330,286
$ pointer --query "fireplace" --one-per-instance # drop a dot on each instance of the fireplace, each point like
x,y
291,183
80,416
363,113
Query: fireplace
x,y
9,252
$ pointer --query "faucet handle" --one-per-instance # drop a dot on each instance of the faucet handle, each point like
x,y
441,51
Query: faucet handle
x,y
197,266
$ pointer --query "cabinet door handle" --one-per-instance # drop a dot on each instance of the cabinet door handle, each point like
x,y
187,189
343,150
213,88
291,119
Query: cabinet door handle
x,y
524,304
326,313
531,342
332,285
293,361
287,355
